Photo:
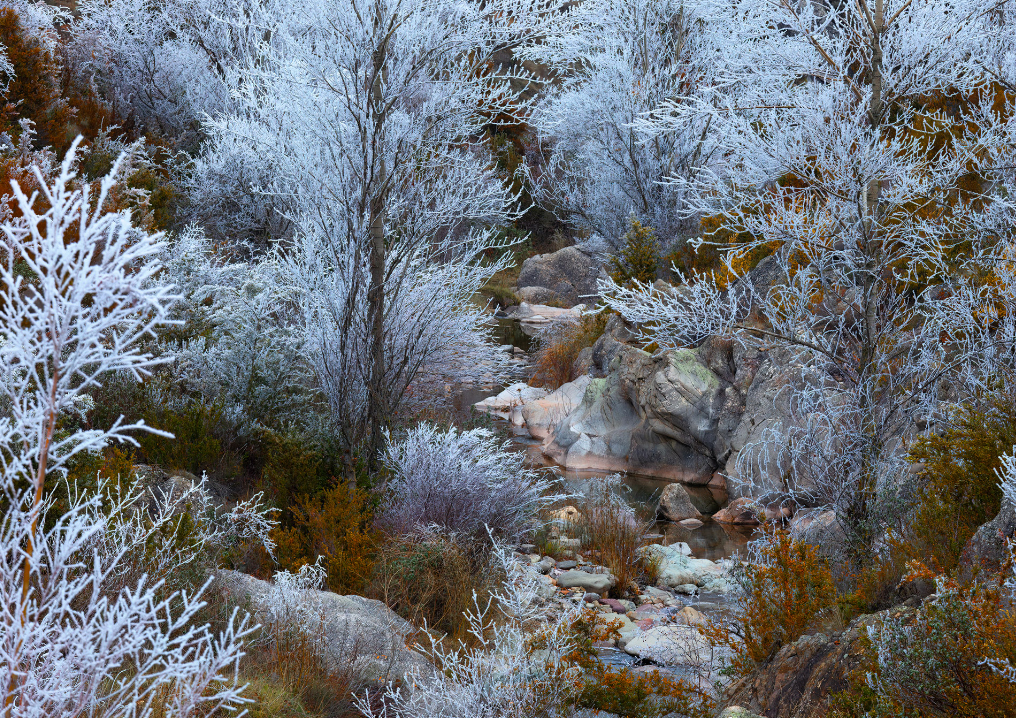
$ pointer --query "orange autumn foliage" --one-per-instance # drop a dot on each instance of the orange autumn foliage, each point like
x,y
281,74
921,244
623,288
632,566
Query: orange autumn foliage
x,y
786,590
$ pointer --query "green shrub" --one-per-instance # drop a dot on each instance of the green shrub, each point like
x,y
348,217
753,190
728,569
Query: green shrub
x,y
639,256
958,488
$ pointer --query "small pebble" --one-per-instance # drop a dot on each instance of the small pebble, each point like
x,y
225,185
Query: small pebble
x,y
591,597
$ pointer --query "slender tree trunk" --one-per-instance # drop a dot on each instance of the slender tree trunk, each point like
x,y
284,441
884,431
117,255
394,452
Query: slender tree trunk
x,y
377,389
858,513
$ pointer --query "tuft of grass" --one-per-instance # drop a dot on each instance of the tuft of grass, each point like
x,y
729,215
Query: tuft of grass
x,y
430,578
609,526
560,347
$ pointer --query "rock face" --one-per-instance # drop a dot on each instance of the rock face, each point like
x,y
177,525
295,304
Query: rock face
x,y
801,679
676,505
542,415
986,550
653,415
348,628
687,415
567,277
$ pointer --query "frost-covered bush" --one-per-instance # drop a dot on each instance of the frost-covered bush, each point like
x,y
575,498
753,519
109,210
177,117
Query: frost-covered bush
x,y
517,666
79,291
461,481
239,347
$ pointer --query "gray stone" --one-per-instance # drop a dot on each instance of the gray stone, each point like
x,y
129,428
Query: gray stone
x,y
542,415
591,597
567,565
676,505
671,645
348,628
590,582
570,274
545,564
822,530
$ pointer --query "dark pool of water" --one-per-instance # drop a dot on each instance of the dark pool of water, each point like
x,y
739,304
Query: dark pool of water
x,y
711,540
510,331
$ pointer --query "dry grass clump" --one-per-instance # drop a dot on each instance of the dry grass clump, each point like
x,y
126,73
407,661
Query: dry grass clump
x,y
560,346
610,527
429,578
785,590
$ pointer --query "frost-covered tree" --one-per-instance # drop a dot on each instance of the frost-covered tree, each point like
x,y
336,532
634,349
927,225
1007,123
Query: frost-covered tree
x,y
78,294
618,60
859,149
163,66
369,114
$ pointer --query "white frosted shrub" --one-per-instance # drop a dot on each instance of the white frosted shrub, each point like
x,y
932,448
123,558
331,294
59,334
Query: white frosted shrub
x,y
516,668
461,481
82,629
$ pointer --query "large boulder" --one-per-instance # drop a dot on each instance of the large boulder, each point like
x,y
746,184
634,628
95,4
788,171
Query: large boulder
x,y
654,415
348,629
567,277
803,677
675,504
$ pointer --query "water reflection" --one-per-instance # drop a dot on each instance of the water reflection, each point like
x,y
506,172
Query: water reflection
x,y
711,540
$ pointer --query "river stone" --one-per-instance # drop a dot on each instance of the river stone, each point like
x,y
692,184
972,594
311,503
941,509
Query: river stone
x,y
599,583
545,564
567,565
743,512
671,645
675,504
676,569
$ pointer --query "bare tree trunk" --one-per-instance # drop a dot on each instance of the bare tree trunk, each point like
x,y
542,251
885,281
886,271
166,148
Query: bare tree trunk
x,y
858,512
377,389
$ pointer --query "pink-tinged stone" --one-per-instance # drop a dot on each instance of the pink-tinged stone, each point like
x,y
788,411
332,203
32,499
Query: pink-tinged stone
x,y
646,623
614,604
